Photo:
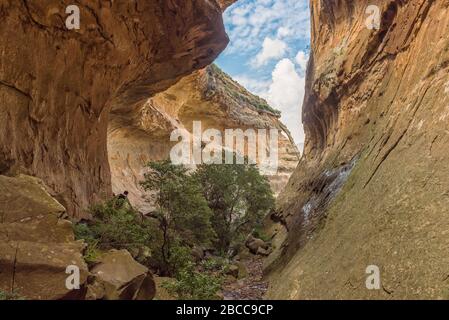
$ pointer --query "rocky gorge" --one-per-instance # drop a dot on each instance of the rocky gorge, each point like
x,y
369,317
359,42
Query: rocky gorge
x,y
82,111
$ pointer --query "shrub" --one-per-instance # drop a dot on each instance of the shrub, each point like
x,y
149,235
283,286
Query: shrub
x,y
191,284
119,227
216,264
260,233
115,225
180,258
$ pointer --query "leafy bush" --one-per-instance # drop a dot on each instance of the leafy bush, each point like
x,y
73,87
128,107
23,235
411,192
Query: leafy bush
x,y
119,226
216,264
215,207
191,284
115,225
260,233
180,258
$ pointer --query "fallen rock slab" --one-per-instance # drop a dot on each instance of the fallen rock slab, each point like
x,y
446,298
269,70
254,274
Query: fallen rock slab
x,y
119,277
36,243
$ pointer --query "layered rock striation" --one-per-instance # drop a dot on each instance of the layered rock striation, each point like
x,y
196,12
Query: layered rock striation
x,y
371,188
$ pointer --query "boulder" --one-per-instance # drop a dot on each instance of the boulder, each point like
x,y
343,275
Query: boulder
x,y
24,198
198,253
263,252
253,244
243,271
95,289
119,277
238,270
233,271
36,243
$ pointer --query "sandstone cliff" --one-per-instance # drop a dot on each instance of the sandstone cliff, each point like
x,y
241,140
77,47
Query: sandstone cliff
x,y
59,86
59,90
372,187
209,96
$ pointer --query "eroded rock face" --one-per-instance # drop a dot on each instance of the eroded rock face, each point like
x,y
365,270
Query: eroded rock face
x,y
58,87
208,96
377,104
36,243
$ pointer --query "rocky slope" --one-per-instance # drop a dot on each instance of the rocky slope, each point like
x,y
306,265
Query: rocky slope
x,y
58,87
209,96
372,187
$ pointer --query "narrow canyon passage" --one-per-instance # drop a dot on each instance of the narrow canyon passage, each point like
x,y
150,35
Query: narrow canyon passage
x,y
224,149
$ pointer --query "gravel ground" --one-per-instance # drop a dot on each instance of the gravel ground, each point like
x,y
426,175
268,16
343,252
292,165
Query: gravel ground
x,y
250,288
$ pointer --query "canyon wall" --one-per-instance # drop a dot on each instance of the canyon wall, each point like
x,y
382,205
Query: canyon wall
x,y
58,87
371,188
59,91
208,96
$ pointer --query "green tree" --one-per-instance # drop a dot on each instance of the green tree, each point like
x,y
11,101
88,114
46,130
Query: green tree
x,y
181,209
239,196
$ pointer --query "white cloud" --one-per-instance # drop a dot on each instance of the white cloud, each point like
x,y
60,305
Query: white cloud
x,y
286,93
271,49
263,32
284,32
286,19
301,59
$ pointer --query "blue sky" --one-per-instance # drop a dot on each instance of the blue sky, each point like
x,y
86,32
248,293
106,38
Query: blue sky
x,y
268,53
